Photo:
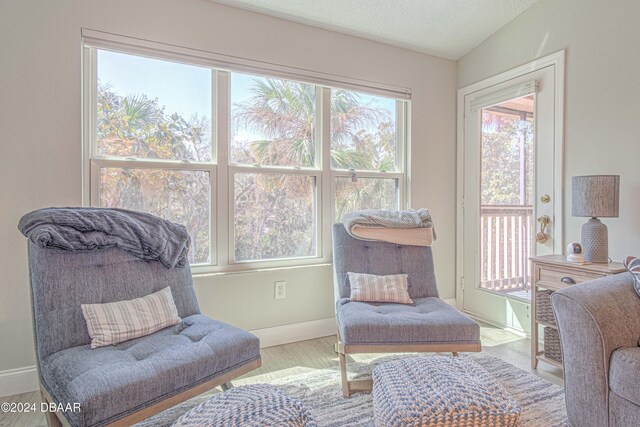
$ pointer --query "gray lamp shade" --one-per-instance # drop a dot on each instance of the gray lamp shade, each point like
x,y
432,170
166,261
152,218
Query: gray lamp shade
x,y
595,195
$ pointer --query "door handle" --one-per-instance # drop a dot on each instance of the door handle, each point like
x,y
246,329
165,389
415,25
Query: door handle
x,y
541,236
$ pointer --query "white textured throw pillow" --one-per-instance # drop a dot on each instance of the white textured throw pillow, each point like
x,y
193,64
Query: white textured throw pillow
x,y
374,288
120,321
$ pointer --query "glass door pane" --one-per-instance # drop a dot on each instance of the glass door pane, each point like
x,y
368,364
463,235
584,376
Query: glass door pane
x,y
507,196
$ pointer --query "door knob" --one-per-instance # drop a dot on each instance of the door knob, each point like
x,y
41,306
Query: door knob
x,y
544,220
541,236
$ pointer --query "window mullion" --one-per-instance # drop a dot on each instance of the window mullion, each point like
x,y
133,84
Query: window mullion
x,y
94,184
144,164
275,170
383,175
213,176
403,152
89,87
400,136
328,196
224,187
320,200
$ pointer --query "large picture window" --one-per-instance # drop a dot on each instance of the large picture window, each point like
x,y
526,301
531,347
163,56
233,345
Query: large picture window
x,y
256,167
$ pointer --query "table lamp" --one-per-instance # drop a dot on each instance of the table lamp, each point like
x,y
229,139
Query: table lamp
x,y
595,196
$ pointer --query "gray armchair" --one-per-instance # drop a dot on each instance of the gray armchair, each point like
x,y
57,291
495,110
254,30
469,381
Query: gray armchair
x,y
599,325
428,325
124,383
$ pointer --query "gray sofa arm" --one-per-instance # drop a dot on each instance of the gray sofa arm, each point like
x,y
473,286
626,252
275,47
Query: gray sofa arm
x,y
594,319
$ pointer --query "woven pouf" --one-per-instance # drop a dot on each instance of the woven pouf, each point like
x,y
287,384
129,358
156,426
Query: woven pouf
x,y
440,391
248,406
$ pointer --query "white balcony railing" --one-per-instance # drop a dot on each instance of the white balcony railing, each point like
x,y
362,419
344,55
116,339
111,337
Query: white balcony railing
x,y
505,247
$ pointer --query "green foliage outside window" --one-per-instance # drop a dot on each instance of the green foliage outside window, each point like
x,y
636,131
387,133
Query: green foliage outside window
x,y
275,214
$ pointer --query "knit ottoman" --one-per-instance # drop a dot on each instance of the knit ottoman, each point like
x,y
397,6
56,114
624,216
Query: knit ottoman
x,y
440,391
248,406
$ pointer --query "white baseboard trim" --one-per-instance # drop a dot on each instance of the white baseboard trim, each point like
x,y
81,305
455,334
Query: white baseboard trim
x,y
286,334
16,381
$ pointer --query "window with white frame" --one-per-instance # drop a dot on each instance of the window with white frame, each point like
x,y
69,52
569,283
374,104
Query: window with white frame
x,y
274,168
364,138
256,167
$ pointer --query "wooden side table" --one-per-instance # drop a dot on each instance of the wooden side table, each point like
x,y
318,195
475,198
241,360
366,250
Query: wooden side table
x,y
550,273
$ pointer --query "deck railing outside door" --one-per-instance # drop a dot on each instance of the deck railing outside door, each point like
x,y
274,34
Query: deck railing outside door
x,y
505,247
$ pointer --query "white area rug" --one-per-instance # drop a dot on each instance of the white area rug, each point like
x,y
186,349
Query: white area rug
x,y
541,401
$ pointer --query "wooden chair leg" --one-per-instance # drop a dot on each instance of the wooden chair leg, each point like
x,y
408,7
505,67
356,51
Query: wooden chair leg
x,y
455,353
343,372
51,417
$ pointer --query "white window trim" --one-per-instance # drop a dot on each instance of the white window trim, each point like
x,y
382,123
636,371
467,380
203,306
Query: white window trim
x,y
222,249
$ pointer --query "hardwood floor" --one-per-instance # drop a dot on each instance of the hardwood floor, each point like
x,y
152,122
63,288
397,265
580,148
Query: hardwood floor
x,y
319,353
516,350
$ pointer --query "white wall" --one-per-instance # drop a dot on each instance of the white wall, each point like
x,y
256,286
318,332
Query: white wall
x,y
602,125
40,160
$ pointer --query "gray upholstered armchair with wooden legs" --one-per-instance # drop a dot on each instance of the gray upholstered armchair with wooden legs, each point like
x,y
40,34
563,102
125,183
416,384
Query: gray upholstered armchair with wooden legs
x,y
119,385
428,325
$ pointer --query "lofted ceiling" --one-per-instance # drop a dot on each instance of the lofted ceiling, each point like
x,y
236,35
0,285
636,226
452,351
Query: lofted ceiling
x,y
445,28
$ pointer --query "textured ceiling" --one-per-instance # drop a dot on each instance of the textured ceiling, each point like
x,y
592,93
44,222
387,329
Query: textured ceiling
x,y
445,28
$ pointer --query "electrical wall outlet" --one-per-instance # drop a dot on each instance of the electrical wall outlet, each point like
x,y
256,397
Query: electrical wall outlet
x,y
280,289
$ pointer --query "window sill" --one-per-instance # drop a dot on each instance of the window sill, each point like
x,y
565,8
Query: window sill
x,y
210,271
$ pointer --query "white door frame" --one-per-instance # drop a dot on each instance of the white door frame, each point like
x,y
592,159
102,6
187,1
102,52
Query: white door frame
x,y
558,61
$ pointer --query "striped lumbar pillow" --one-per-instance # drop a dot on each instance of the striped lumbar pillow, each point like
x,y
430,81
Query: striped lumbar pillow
x,y
120,321
633,265
374,288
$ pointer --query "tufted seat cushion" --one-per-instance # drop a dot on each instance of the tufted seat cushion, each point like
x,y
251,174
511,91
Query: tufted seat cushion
x,y
111,382
427,321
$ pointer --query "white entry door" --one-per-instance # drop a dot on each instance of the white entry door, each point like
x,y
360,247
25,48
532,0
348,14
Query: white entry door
x,y
512,193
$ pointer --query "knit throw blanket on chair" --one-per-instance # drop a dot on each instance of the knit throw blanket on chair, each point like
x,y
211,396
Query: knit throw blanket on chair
x,y
80,229
381,218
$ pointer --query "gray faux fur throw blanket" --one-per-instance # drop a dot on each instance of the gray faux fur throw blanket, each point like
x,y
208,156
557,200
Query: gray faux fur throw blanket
x,y
80,229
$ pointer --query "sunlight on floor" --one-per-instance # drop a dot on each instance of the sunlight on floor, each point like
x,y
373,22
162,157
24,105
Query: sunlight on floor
x,y
270,376
492,336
